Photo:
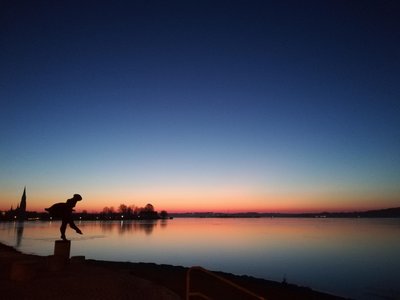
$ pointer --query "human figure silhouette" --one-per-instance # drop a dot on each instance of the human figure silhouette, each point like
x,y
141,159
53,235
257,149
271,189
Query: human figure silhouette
x,y
64,211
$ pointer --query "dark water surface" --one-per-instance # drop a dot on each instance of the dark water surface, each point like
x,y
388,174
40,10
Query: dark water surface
x,y
358,258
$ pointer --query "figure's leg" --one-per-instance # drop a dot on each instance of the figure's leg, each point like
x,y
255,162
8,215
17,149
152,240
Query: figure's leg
x,y
62,230
73,226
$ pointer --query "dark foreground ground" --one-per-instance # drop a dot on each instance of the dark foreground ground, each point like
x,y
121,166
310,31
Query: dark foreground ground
x,y
91,279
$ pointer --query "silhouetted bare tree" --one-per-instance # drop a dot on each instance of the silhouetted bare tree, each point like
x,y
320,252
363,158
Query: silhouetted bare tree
x,y
148,212
163,214
123,209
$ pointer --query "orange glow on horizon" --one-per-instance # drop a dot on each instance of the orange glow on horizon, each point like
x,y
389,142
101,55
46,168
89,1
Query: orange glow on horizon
x,y
218,200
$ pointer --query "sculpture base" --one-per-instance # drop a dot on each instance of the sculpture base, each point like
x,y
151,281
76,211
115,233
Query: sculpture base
x,y
60,259
62,249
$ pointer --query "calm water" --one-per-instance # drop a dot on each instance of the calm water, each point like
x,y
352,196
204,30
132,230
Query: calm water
x,y
357,258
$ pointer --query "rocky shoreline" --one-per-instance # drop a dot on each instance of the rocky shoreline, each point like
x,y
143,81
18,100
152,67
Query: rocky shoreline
x,y
94,279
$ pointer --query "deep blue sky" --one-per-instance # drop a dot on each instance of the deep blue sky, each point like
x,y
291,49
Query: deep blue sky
x,y
207,105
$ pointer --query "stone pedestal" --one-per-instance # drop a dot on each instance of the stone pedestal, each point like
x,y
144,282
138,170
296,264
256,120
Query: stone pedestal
x,y
60,259
62,249
55,263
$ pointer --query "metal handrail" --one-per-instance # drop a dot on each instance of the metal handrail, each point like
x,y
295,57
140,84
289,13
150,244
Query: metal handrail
x,y
228,282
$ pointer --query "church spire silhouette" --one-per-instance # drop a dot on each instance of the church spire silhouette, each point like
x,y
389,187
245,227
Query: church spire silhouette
x,y
22,207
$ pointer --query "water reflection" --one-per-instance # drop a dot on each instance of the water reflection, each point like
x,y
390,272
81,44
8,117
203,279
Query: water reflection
x,y
19,229
125,227
361,251
163,223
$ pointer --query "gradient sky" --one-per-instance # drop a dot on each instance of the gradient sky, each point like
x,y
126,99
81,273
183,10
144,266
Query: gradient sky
x,y
201,105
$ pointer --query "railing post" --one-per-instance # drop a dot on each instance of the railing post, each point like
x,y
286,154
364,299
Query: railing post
x,y
220,278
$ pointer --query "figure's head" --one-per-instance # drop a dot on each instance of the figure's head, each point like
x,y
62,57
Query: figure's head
x,y
77,197
72,202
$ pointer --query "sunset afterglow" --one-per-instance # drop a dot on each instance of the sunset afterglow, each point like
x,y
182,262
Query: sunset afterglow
x,y
200,107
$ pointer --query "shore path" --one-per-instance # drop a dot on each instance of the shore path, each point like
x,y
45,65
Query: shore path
x,y
91,279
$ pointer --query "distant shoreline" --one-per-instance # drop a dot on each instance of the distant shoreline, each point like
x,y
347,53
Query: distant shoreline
x,y
381,213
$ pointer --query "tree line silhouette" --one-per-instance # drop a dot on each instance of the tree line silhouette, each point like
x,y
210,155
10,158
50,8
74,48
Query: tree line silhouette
x,y
133,212
123,212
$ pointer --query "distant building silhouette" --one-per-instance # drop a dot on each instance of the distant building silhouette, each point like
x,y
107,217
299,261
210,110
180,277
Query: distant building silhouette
x,y
21,210
19,213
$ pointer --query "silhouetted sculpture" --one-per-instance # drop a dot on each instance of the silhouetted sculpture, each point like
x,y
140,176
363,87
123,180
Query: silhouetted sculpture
x,y
64,211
